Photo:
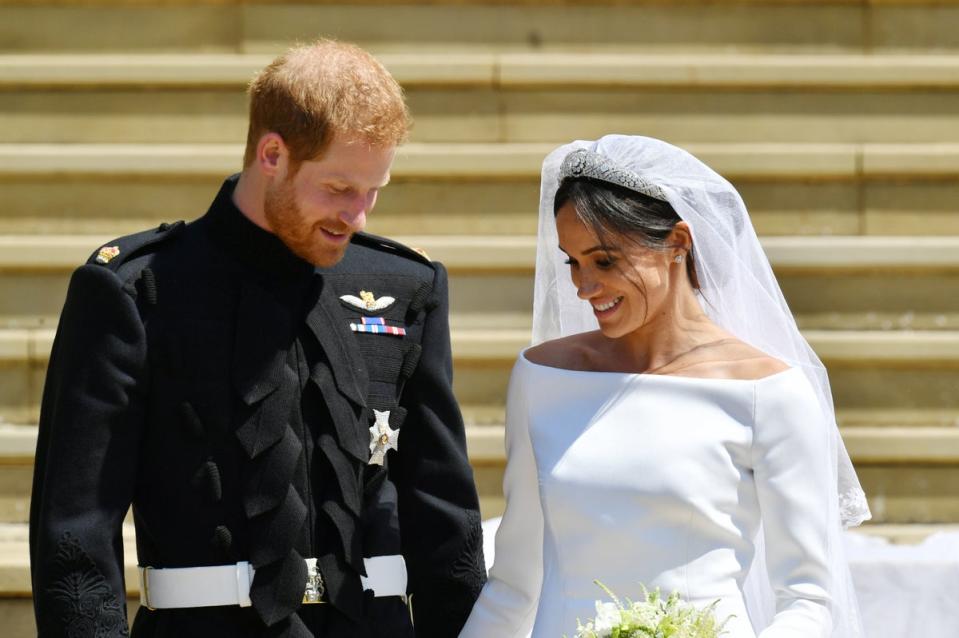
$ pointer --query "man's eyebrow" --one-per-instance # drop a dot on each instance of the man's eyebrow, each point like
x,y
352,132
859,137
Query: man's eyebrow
x,y
342,179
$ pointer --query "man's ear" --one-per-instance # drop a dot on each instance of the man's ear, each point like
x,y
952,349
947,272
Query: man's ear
x,y
272,155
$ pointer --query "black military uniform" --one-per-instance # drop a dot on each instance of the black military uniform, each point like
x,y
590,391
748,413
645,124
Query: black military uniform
x,y
227,389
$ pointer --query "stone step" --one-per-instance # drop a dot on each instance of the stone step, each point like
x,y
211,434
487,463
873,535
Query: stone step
x,y
67,72
16,607
810,189
867,445
506,97
15,562
478,416
881,370
868,369
469,253
492,69
495,160
225,26
907,445
18,444
908,534
846,283
908,472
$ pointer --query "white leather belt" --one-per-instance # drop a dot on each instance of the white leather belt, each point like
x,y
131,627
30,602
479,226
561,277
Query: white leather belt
x,y
181,587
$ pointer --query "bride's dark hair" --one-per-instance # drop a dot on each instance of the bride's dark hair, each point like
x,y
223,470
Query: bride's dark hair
x,y
616,213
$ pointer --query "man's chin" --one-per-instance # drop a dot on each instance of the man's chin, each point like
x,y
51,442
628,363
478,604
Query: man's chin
x,y
326,258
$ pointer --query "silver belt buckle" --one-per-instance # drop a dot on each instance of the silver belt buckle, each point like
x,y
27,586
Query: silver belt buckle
x,y
315,589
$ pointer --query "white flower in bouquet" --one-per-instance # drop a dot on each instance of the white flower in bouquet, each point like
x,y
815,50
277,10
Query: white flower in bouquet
x,y
652,617
607,617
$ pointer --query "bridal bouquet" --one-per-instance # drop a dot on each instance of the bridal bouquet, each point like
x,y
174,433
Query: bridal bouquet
x,y
653,617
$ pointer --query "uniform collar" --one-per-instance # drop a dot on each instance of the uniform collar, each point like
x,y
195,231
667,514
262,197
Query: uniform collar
x,y
253,246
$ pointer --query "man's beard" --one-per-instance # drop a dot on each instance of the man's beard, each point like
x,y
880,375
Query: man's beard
x,y
304,239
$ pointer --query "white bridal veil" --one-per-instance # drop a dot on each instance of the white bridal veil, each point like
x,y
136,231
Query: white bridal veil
x,y
738,292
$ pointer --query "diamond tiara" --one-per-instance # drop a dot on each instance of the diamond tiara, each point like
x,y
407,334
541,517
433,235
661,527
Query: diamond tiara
x,y
584,163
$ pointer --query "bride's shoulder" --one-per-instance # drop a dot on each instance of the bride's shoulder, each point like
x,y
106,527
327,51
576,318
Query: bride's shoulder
x,y
748,362
575,352
733,359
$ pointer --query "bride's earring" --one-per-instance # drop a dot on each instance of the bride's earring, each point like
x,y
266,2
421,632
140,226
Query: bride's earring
x,y
678,259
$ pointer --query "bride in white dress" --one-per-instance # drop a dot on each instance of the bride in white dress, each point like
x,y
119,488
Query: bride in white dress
x,y
672,428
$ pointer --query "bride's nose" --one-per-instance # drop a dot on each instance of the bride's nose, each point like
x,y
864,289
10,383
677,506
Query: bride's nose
x,y
587,287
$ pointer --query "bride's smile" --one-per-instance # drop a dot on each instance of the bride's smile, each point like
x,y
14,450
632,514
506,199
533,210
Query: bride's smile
x,y
605,308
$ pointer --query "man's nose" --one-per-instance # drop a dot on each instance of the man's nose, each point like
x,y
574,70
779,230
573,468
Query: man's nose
x,y
354,214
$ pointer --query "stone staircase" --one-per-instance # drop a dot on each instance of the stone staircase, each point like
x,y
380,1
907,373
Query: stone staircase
x,y
838,120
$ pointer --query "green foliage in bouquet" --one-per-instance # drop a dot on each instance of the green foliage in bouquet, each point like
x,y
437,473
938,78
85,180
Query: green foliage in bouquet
x,y
653,617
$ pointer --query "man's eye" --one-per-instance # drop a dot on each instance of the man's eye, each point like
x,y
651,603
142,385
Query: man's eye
x,y
338,191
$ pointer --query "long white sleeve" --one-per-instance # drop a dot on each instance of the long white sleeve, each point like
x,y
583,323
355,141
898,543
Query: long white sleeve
x,y
507,605
793,485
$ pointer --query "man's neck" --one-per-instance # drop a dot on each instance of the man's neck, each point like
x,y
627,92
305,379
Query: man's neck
x,y
248,197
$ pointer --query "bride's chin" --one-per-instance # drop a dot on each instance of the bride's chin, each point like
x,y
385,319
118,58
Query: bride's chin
x,y
611,331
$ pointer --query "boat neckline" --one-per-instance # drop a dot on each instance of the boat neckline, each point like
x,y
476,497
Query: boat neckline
x,y
648,375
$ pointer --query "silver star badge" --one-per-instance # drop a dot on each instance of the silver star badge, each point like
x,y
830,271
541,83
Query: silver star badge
x,y
382,437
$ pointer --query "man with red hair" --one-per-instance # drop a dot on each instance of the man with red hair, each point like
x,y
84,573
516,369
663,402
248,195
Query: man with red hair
x,y
270,389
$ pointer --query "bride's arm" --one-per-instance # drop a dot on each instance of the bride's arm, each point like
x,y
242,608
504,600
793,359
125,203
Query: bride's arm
x,y
791,448
507,606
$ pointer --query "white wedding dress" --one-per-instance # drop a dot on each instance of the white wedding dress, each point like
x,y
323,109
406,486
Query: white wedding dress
x,y
659,480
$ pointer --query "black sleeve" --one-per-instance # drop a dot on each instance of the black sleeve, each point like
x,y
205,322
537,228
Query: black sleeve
x,y
90,424
439,508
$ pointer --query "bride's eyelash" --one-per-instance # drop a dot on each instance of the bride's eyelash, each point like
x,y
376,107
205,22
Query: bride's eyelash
x,y
602,264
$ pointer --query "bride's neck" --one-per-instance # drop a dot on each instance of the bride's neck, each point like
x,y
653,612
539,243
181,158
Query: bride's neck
x,y
674,330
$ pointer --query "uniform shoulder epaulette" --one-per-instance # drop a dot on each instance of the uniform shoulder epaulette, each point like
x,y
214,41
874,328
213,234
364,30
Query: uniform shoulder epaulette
x,y
391,245
115,253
